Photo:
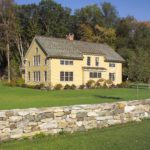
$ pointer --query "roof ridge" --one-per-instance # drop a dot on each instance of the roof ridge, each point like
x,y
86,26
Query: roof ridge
x,y
43,36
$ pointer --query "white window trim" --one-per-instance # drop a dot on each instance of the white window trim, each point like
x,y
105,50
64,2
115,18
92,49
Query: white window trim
x,y
37,76
89,61
96,73
70,62
112,65
69,76
114,79
97,60
38,63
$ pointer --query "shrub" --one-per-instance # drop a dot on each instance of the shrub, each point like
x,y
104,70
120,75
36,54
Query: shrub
x,y
58,87
104,85
24,86
90,84
11,84
48,86
39,86
119,85
113,86
101,80
73,87
36,87
108,83
82,86
30,86
123,84
100,83
20,82
66,87
4,82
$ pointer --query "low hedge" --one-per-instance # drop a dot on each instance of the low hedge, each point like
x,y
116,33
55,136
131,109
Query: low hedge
x,y
101,83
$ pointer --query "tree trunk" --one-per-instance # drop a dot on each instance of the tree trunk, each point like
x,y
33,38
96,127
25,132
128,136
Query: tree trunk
x,y
21,50
22,53
8,61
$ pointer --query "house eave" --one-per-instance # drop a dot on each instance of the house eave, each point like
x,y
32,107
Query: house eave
x,y
115,61
95,68
92,53
65,57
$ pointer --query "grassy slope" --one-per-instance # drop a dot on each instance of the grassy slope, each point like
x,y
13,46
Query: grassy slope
x,y
25,98
132,136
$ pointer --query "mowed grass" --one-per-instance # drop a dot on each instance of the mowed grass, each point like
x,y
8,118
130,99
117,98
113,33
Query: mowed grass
x,y
15,97
131,136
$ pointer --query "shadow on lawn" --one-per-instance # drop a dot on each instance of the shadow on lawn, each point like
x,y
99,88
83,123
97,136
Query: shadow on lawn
x,y
106,97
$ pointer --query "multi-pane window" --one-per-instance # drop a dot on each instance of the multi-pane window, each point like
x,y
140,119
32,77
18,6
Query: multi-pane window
x,y
29,76
37,76
88,61
36,60
95,74
45,75
112,65
66,76
62,62
112,76
71,62
97,61
66,62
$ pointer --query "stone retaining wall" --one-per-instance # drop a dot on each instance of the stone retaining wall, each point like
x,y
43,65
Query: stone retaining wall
x,y
19,123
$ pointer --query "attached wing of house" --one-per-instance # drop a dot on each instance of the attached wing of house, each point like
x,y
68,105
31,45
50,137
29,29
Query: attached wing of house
x,y
53,60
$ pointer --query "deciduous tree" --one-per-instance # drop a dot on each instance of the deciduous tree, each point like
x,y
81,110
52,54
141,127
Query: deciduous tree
x,y
7,19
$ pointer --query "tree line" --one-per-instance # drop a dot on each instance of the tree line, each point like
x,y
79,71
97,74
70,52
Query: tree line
x,y
98,23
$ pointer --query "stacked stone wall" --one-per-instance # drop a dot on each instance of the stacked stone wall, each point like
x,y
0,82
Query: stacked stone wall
x,y
20,123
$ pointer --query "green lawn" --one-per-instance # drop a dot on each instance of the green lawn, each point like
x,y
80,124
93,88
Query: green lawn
x,y
132,136
13,97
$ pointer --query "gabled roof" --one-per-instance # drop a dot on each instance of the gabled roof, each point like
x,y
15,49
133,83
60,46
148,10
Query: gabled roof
x,y
58,48
62,48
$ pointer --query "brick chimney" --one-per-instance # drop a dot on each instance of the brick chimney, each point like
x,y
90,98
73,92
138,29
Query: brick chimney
x,y
70,37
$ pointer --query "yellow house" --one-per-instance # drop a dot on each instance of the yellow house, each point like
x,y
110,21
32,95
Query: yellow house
x,y
52,61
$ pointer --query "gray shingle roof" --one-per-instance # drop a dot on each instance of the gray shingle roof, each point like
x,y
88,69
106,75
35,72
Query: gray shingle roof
x,y
62,48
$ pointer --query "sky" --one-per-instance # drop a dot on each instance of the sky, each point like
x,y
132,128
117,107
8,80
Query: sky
x,y
140,9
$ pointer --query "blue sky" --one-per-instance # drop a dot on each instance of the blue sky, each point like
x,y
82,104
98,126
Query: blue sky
x,y
140,9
